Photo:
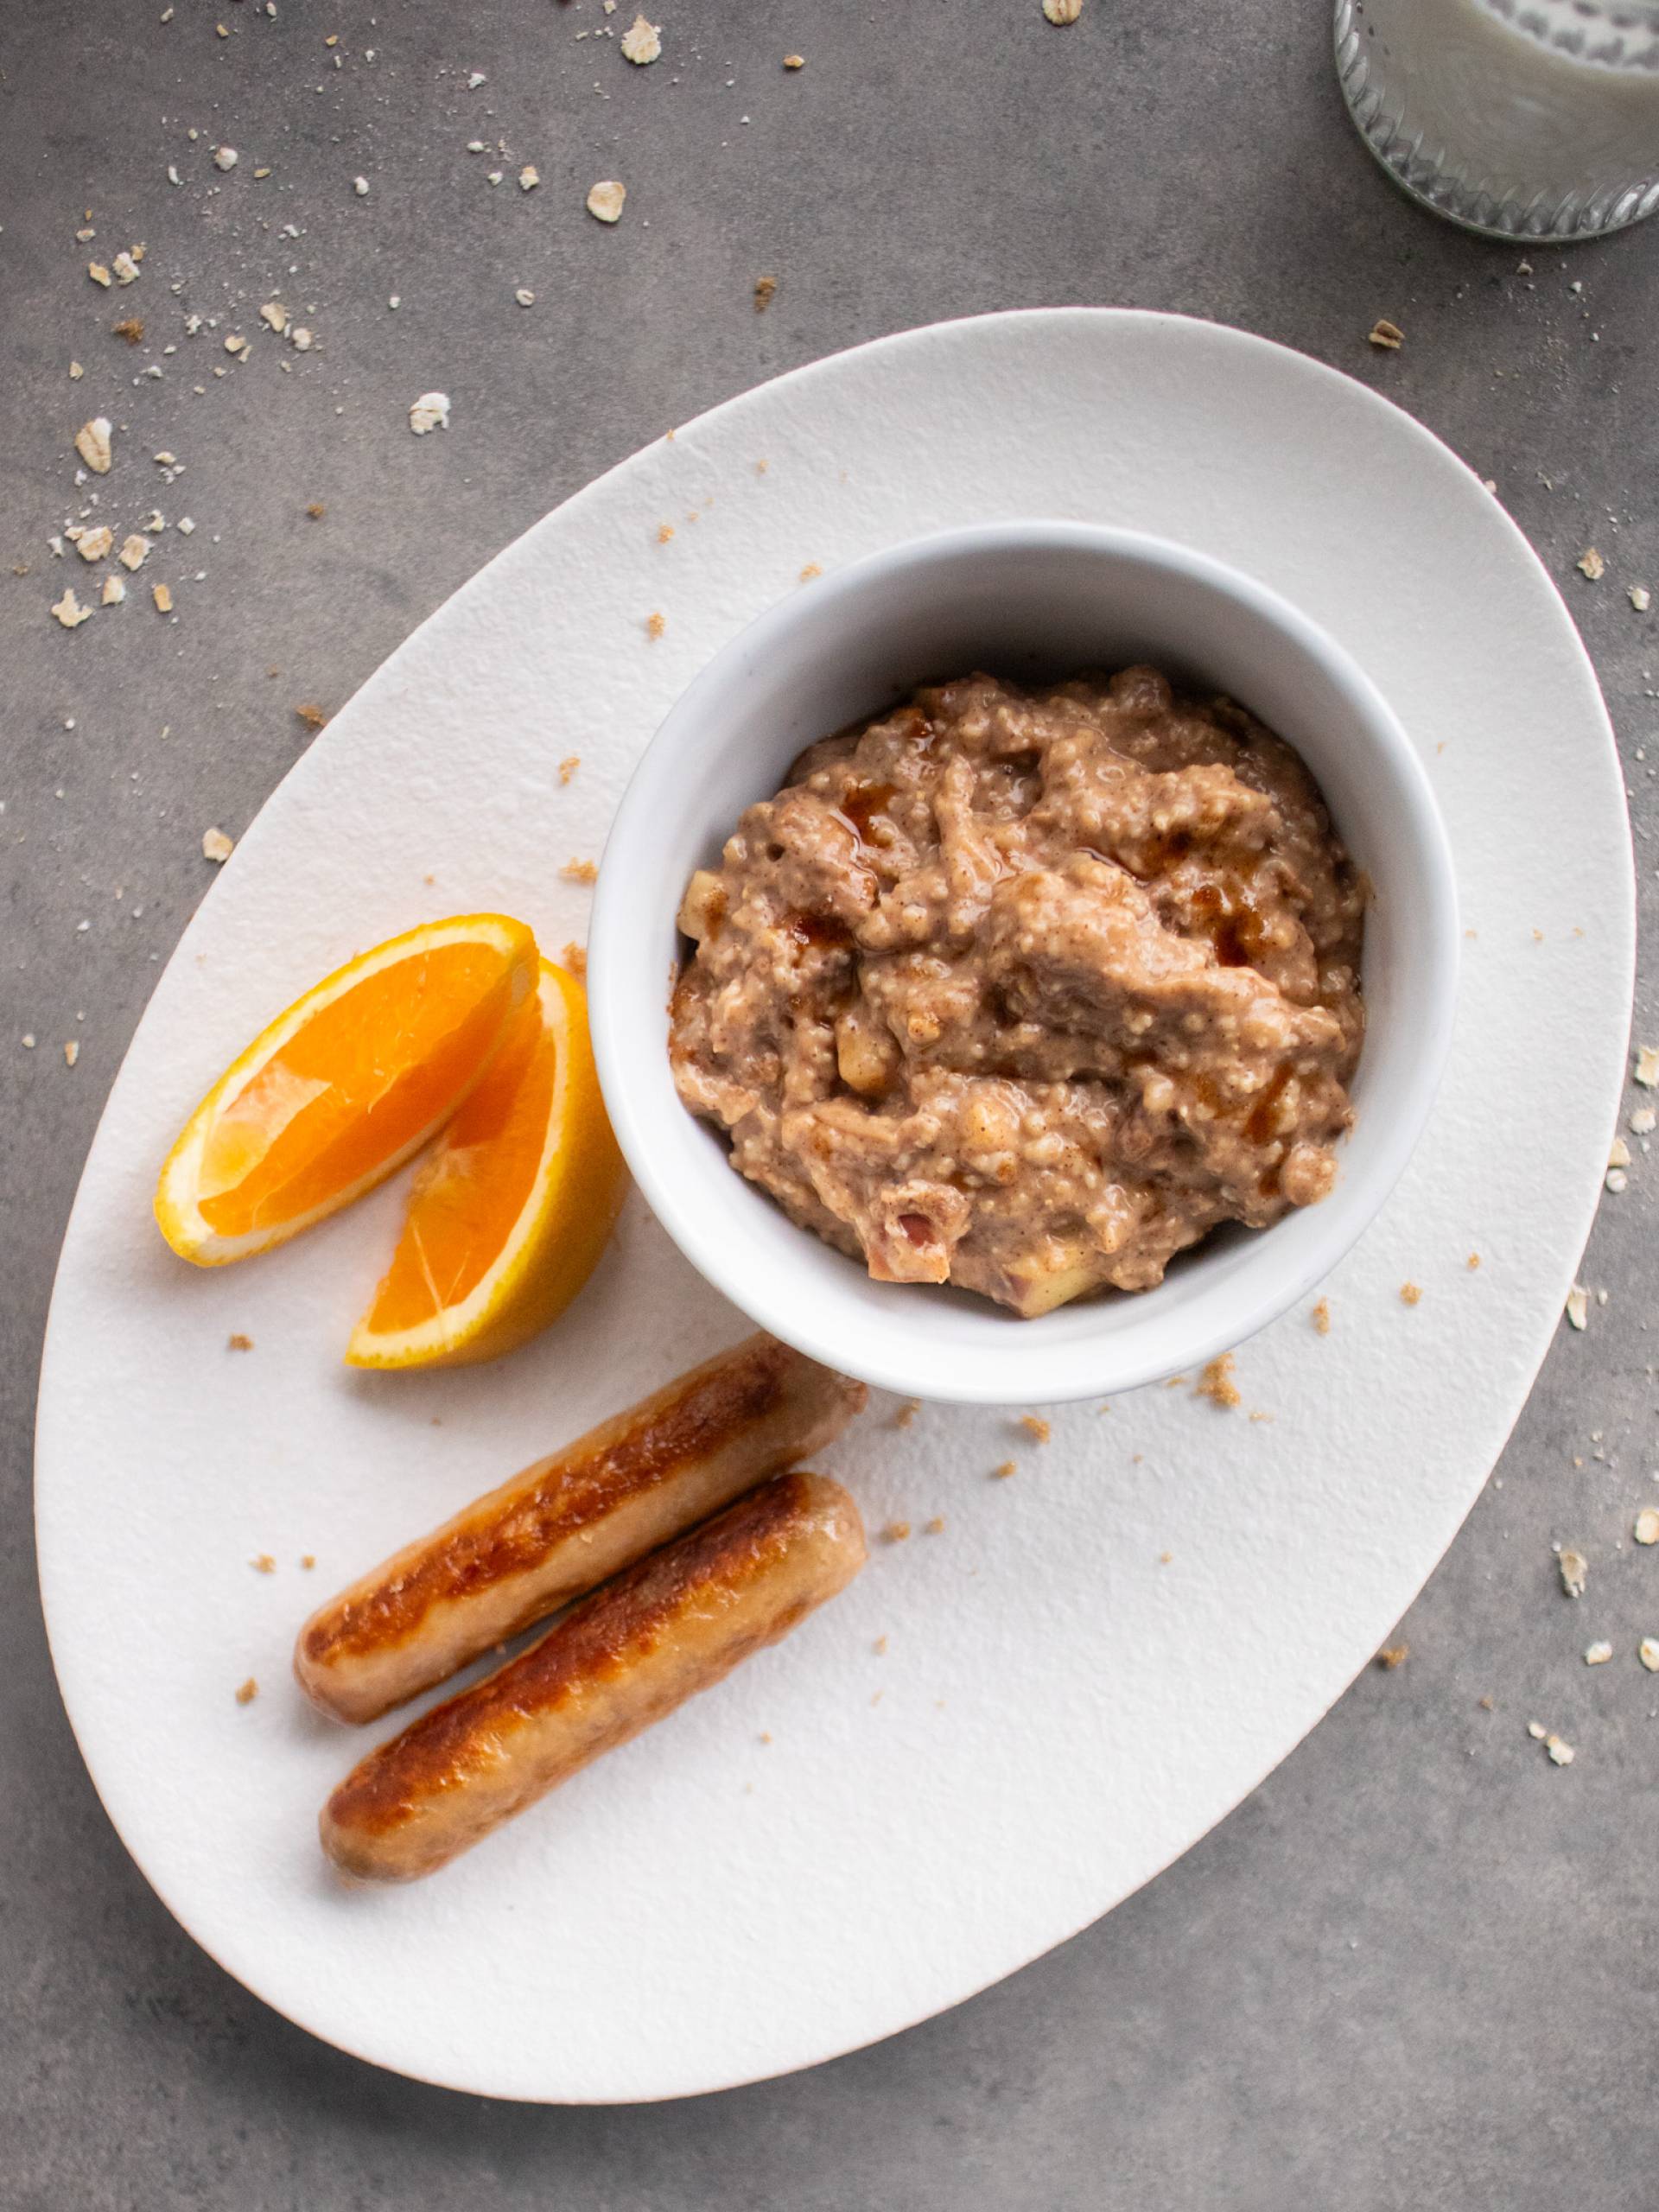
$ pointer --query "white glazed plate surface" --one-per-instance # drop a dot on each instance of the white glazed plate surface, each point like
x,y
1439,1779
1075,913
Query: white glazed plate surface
x,y
789,1868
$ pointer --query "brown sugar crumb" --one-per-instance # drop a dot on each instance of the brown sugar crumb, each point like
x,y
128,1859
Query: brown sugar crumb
x,y
655,626
131,328
316,511
248,1692
314,716
1322,1317
811,570
765,290
308,1560
664,531
1036,1427
936,1526
574,959
1009,1467
1473,1261
1386,336
581,871
238,1342
896,1532
907,1412
262,1563
1392,1656
1410,1293
1217,1382
568,766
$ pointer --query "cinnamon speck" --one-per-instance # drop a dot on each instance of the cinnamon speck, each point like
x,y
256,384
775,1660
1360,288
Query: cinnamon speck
x,y
765,290
131,328
316,511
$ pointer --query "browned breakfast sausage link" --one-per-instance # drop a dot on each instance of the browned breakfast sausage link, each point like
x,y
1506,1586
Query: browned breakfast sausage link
x,y
676,1623
565,1525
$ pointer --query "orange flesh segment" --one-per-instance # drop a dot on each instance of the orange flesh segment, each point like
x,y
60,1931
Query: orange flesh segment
x,y
469,1195
353,1085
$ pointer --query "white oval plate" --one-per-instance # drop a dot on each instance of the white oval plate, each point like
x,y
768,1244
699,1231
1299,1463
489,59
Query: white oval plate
x,y
1089,1664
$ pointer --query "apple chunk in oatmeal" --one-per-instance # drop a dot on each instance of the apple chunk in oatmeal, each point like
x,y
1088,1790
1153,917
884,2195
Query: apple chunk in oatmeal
x,y
1029,991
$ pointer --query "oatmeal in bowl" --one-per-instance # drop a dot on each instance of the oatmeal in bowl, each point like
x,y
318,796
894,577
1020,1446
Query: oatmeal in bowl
x,y
1028,990
1068,1010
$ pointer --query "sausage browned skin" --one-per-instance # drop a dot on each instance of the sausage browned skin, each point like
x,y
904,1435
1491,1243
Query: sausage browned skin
x,y
562,1526
676,1623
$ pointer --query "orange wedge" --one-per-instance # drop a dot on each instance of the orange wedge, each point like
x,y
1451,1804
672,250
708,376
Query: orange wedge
x,y
507,1218
341,1089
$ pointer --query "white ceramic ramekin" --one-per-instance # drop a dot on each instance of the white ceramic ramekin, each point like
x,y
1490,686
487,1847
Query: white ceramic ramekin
x,y
1023,600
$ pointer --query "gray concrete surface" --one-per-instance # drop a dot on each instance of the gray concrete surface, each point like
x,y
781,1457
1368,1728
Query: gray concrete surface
x,y
1418,1968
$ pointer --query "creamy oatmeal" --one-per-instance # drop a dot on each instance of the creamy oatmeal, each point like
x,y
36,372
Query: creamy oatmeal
x,y
1028,992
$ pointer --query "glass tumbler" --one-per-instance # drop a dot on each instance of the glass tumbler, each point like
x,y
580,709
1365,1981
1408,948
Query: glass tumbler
x,y
1535,120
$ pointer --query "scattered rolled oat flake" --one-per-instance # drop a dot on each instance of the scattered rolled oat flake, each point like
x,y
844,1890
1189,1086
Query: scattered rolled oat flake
x,y
360,187
1644,1121
524,297
1618,1154
1646,1530
606,199
794,61
1410,1293
93,544
185,526
134,551
126,266
216,846
1575,1572
1648,1652
250,1689
1561,1753
224,157
1537,1730
69,610
1598,1655
1589,563
1216,1382
1616,1181
239,1342
100,274
642,41
163,597
1640,598
275,315
114,591
300,340
76,372
765,290
1321,1317
71,1052
1061,11
1646,1071
429,412
1392,1656
528,177
1577,1306
1386,336
93,444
